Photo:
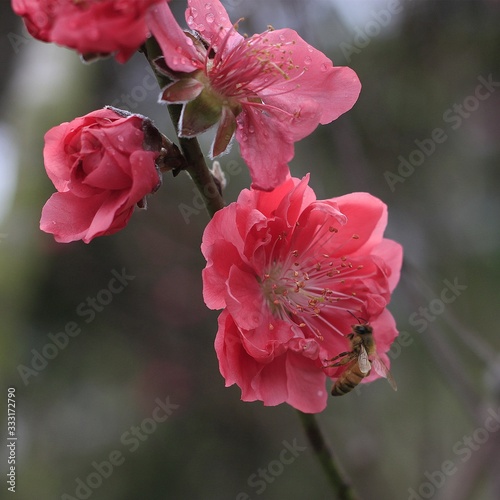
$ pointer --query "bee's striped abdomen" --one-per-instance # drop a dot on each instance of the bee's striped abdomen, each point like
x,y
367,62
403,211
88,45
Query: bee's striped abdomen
x,y
348,380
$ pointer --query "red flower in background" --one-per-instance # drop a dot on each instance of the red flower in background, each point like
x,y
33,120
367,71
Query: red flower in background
x,y
271,89
102,165
289,272
89,26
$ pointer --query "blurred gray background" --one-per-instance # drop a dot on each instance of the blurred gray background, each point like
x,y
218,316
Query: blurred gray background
x,y
424,137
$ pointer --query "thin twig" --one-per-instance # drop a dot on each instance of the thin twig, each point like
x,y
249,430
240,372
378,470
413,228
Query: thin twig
x,y
197,167
196,164
337,477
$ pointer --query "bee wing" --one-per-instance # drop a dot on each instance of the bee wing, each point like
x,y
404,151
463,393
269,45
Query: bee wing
x,y
344,359
363,361
383,371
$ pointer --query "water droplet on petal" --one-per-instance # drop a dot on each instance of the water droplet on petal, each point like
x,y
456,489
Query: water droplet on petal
x,y
208,6
251,129
307,60
324,67
210,18
310,48
194,12
282,37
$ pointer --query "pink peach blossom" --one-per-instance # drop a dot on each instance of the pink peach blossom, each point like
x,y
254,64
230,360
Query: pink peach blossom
x,y
102,165
270,90
289,271
89,26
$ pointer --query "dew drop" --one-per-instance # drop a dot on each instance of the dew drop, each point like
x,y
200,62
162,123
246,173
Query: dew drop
x,y
324,67
210,18
307,60
194,12
310,49
282,37
208,6
251,129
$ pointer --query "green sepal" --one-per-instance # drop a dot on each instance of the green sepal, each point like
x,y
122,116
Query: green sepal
x,y
199,115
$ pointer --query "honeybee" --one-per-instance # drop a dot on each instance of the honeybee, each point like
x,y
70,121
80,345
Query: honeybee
x,y
362,356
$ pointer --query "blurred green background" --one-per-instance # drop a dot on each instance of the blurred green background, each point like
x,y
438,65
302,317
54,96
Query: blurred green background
x,y
420,64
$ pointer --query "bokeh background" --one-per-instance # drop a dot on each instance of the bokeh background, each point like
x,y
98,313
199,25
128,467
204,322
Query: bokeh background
x,y
420,63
